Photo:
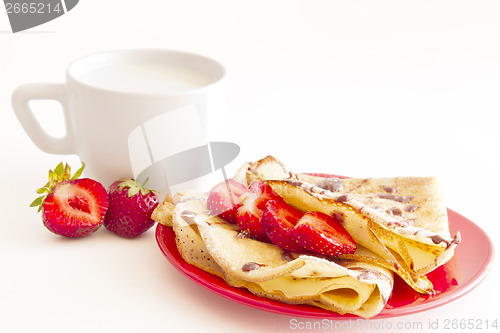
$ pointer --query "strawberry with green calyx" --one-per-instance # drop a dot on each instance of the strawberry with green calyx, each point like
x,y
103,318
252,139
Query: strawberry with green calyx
x,y
130,208
71,207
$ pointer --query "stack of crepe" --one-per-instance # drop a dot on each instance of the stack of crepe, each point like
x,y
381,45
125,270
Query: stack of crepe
x,y
400,225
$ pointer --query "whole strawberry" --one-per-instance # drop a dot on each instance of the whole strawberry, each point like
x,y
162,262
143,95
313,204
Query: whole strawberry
x,y
130,208
71,207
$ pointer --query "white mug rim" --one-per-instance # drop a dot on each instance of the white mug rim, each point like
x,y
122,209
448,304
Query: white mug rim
x,y
72,76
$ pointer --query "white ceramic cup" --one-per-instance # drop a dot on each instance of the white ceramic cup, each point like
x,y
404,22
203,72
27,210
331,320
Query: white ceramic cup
x,y
110,94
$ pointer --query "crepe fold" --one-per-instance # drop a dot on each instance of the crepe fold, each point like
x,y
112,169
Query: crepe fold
x,y
400,226
403,219
216,246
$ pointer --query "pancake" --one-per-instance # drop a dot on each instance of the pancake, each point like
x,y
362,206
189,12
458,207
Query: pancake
x,y
403,219
400,225
219,247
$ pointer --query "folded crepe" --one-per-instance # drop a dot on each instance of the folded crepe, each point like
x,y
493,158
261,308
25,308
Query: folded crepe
x,y
403,220
218,247
400,225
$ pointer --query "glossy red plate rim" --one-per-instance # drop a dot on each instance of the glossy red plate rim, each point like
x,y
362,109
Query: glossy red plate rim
x,y
474,256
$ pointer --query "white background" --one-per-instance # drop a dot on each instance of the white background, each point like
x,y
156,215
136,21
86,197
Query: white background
x,y
359,88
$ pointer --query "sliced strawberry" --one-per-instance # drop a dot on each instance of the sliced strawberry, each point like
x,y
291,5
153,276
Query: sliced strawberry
x,y
70,206
223,199
75,208
252,207
321,233
278,221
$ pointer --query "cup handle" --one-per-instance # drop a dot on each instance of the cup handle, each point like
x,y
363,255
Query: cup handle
x,y
21,97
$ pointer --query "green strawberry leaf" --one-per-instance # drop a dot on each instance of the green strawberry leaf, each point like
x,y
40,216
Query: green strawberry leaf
x,y
43,190
59,171
78,172
133,191
66,172
133,188
38,202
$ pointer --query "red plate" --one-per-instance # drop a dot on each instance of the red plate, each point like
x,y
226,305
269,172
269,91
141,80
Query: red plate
x,y
470,265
